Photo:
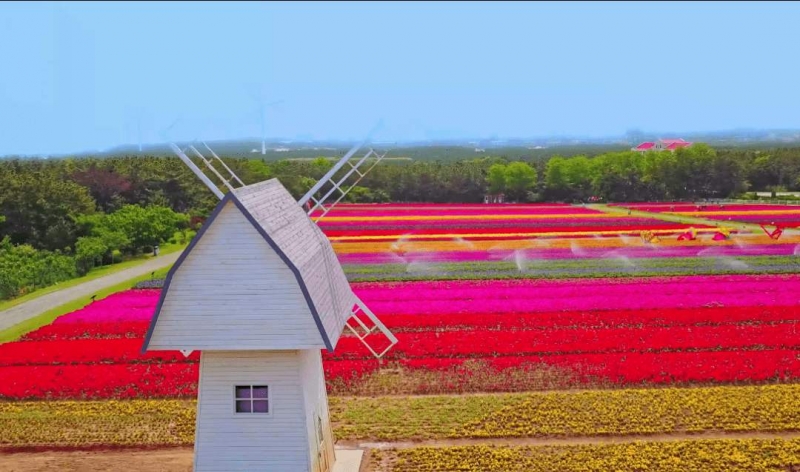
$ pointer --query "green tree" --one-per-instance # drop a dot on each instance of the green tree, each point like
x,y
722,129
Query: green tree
x,y
133,228
519,179
24,268
497,178
40,208
89,252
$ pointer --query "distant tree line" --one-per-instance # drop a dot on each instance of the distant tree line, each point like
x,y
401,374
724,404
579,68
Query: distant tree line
x,y
62,218
91,209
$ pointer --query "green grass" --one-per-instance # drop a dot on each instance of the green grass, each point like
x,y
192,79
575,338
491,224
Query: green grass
x,y
689,220
95,273
47,317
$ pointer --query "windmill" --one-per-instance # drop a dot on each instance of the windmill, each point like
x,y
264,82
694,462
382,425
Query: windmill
x,y
362,322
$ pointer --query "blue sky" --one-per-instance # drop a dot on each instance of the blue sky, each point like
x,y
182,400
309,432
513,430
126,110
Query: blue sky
x,y
81,76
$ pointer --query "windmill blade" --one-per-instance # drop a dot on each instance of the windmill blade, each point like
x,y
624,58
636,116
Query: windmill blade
x,y
223,164
361,175
359,324
328,177
199,173
211,167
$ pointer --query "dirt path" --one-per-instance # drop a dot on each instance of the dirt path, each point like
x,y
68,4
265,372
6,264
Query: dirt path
x,y
160,460
25,311
179,459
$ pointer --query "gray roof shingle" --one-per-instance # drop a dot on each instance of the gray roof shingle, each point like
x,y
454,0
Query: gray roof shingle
x,y
272,208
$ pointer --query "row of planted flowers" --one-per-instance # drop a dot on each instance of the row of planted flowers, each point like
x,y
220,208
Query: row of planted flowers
x,y
717,455
622,412
477,343
422,375
728,329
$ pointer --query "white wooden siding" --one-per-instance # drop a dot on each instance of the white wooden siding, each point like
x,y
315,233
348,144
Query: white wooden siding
x,y
315,398
226,442
233,292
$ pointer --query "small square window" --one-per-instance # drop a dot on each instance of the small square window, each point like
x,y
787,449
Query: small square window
x,y
243,406
251,399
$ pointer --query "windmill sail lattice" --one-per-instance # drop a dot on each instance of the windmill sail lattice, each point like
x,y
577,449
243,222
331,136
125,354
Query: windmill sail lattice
x,y
340,185
362,322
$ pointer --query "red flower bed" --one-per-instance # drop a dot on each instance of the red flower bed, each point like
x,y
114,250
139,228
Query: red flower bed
x,y
597,330
85,351
69,331
615,368
180,379
481,343
592,319
99,381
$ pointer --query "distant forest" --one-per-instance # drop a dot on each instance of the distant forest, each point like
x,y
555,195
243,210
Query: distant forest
x,y
61,217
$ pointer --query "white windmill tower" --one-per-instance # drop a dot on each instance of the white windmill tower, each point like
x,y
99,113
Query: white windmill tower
x,y
259,291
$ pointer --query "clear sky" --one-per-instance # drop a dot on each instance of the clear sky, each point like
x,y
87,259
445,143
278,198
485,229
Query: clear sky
x,y
82,76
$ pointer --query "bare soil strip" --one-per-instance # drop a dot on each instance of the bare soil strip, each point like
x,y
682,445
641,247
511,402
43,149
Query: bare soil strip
x,y
162,460
179,459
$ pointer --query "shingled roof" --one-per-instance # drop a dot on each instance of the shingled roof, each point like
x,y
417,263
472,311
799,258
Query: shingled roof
x,y
306,247
301,245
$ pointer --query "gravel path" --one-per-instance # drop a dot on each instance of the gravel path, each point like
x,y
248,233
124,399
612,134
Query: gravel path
x,y
25,311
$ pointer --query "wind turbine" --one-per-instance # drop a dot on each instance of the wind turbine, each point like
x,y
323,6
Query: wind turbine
x,y
258,98
139,131
264,124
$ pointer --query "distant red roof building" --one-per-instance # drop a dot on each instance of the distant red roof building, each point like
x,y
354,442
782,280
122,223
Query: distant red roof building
x,y
662,145
674,146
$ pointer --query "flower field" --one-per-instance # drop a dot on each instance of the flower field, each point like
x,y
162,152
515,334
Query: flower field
x,y
549,415
787,216
566,320
678,456
425,223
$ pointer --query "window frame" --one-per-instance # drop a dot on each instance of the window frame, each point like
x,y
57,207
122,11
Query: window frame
x,y
252,414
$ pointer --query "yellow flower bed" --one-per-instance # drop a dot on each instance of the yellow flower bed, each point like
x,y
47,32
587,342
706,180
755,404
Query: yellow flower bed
x,y
554,234
549,414
735,213
93,423
419,417
483,217
552,243
724,455
644,411
558,414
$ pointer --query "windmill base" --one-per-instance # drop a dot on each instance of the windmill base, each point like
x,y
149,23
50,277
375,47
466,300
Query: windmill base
x,y
347,459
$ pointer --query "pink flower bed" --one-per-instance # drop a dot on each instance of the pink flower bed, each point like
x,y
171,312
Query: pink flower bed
x,y
478,297
563,253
